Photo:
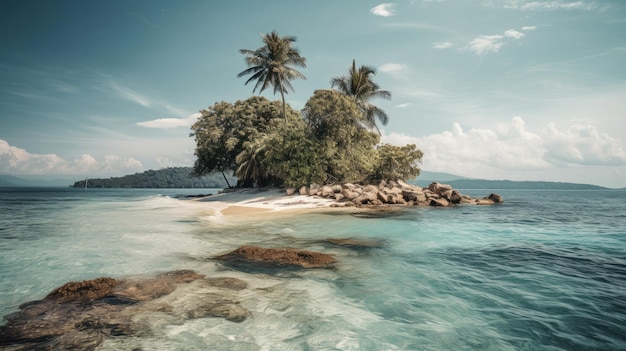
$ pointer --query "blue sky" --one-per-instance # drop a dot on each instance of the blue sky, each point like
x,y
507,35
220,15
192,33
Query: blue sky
x,y
495,89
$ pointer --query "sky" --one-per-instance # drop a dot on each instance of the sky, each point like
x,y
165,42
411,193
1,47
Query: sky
x,y
491,89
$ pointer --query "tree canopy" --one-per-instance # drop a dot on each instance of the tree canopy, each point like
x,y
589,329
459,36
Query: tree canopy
x,y
331,140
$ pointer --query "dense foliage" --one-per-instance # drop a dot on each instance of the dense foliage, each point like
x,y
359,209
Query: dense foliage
x,y
330,141
175,177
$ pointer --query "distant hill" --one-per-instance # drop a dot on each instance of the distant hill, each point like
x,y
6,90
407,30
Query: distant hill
x,y
459,182
31,181
175,177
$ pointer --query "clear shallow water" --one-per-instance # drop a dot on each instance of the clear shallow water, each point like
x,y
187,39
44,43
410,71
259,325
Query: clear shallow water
x,y
546,270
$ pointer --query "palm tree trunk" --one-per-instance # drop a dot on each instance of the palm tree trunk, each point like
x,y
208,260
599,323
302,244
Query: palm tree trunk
x,y
282,95
227,183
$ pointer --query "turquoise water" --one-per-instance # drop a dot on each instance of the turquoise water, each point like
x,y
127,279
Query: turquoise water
x,y
546,270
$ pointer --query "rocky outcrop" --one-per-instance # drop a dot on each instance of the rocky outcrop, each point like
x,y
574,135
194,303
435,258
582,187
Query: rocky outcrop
x,y
270,257
80,315
396,193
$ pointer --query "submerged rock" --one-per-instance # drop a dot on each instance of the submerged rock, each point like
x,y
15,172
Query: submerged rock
x,y
79,315
278,257
357,244
86,290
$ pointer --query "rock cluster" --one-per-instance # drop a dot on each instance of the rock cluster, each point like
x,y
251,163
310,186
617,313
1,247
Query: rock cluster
x,y
80,315
394,193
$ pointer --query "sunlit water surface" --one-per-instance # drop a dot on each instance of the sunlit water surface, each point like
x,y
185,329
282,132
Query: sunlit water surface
x,y
546,270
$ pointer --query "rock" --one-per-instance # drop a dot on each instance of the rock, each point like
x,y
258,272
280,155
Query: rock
x,y
304,190
439,202
339,197
401,183
438,188
384,198
382,184
348,186
370,189
278,257
290,191
326,191
454,196
86,290
495,198
336,188
80,315
365,198
349,194
484,202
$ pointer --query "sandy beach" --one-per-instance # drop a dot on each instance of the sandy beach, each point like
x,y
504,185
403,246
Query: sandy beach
x,y
244,202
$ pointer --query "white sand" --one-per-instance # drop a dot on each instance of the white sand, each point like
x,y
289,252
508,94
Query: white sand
x,y
255,201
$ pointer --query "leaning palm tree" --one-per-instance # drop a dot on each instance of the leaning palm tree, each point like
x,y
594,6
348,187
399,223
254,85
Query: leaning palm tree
x,y
271,64
359,86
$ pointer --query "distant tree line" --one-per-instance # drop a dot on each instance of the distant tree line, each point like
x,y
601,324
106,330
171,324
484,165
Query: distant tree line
x,y
174,177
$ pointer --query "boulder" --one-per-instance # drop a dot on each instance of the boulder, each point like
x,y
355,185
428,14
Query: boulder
x,y
339,197
278,257
365,197
348,186
304,190
326,191
370,189
382,197
495,198
454,196
441,202
349,194
290,191
336,188
439,188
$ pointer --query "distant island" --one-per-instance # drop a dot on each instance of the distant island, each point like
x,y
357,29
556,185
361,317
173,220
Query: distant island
x,y
179,177
175,177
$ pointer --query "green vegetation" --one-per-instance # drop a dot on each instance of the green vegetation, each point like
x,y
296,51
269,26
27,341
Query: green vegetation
x,y
176,177
330,141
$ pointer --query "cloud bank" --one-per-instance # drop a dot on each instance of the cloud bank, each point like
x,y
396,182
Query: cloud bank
x,y
14,160
507,148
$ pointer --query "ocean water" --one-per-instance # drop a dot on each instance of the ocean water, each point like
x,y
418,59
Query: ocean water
x,y
545,270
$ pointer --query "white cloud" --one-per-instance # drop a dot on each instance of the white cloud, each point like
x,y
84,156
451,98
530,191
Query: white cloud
x,y
544,5
443,45
504,150
556,5
168,123
393,67
404,105
529,28
512,33
129,94
485,44
582,144
14,160
385,10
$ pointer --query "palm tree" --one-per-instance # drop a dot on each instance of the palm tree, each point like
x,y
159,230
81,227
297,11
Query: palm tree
x,y
359,86
271,65
250,162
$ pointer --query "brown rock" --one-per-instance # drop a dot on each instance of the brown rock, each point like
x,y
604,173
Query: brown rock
x,y
86,290
326,191
278,257
439,188
439,202
495,198
304,190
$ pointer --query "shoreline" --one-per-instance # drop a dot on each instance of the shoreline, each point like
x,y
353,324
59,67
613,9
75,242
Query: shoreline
x,y
273,200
